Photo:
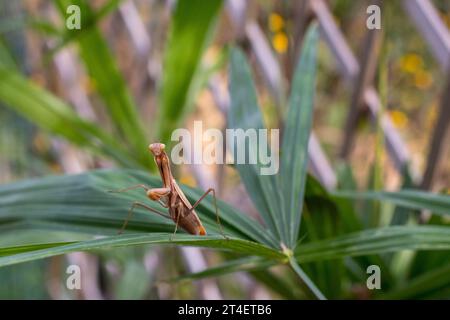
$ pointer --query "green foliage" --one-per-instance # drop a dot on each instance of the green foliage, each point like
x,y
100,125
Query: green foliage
x,y
413,199
294,151
245,114
81,203
50,113
191,25
108,81
279,198
318,237
54,115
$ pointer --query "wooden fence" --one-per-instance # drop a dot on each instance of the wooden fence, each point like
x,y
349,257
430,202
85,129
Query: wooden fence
x,y
357,73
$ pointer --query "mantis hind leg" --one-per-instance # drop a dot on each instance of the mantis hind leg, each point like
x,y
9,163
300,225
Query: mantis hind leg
x,y
131,211
176,226
215,206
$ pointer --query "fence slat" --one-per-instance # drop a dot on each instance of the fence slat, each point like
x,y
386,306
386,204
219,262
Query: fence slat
x,y
135,27
365,77
441,140
271,72
396,147
350,68
266,60
319,163
432,28
347,63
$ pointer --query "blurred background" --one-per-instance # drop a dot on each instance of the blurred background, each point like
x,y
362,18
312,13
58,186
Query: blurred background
x,y
381,110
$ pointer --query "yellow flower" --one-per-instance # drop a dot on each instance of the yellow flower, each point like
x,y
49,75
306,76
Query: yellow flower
x,y
411,63
280,42
399,119
423,79
89,84
276,22
188,180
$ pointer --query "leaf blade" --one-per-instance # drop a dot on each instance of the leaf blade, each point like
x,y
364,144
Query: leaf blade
x,y
245,115
217,242
52,114
109,82
235,265
188,35
82,203
376,241
409,198
298,125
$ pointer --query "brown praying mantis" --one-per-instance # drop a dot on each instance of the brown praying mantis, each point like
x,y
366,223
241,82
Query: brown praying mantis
x,y
172,197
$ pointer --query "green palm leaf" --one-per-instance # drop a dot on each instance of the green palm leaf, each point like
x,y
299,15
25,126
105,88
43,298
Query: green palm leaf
x,y
189,32
217,242
108,81
245,114
83,204
236,265
52,114
297,127
413,199
376,241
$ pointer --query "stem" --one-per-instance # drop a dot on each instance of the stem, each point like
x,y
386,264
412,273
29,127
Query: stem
x,y
378,173
306,280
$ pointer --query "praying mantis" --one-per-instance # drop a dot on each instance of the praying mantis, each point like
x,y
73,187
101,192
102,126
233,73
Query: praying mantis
x,y
171,196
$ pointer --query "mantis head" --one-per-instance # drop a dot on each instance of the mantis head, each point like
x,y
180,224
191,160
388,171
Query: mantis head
x,y
157,148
